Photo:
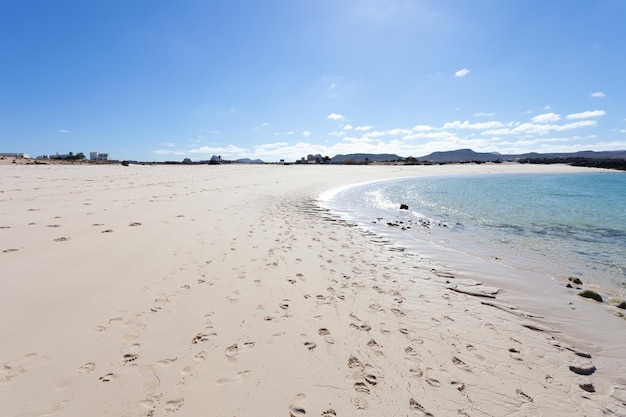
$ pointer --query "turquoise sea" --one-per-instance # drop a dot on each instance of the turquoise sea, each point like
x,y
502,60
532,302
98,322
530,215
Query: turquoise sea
x,y
560,225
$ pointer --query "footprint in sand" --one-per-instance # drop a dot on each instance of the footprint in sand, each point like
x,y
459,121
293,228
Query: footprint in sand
x,y
460,364
524,395
360,403
361,387
233,350
410,351
62,239
433,382
86,368
376,348
326,334
234,296
371,379
241,376
204,335
296,409
10,250
159,302
515,354
14,368
362,327
329,413
129,357
308,343
108,377
174,405
417,408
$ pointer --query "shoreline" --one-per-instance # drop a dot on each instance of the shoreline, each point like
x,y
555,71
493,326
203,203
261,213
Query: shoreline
x,y
149,291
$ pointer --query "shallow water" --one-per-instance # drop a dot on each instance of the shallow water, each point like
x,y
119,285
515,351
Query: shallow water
x,y
560,225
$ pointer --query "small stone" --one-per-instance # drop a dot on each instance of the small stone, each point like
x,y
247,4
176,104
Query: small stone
x,y
582,370
622,305
587,387
590,294
575,280
404,207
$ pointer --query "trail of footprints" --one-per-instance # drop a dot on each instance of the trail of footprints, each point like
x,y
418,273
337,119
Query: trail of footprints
x,y
365,378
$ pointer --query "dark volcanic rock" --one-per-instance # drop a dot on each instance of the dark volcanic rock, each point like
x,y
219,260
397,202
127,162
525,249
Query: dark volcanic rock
x,y
404,207
587,387
575,280
583,370
591,294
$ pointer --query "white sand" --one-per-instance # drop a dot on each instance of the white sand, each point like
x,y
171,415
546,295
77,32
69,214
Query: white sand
x,y
226,291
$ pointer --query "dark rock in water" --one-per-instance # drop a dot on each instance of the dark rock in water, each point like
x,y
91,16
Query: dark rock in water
x,y
569,285
587,387
575,280
581,370
622,305
591,294
404,207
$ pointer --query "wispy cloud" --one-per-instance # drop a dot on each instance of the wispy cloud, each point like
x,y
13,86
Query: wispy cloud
x,y
168,144
546,118
335,116
306,133
484,114
457,124
462,72
364,128
64,131
597,94
586,114
540,128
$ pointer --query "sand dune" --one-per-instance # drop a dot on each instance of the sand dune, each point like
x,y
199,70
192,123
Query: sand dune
x,y
228,291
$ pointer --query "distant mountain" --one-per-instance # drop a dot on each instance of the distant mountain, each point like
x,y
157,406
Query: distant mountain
x,y
460,156
249,161
359,158
464,155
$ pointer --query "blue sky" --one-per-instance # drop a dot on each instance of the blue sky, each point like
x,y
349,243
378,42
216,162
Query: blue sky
x,y
279,79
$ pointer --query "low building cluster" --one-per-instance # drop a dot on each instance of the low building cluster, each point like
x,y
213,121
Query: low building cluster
x,y
314,159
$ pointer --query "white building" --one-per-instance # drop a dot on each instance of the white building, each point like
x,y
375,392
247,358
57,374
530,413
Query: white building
x,y
96,156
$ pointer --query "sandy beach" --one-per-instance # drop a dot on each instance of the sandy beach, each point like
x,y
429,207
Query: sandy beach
x,y
228,291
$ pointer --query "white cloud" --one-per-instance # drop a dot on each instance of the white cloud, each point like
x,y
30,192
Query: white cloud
x,y
422,128
290,133
546,118
336,133
64,131
396,132
483,114
335,116
364,128
540,128
348,127
586,114
168,144
306,133
374,134
597,94
462,72
457,124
